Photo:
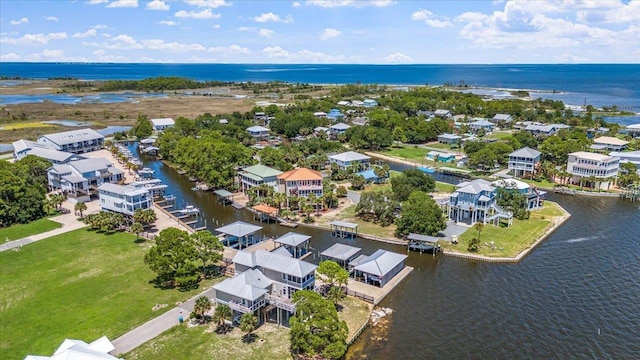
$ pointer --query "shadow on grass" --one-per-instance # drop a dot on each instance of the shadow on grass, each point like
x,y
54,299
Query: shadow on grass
x,y
249,338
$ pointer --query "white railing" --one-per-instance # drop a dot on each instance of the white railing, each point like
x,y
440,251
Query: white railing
x,y
246,309
281,302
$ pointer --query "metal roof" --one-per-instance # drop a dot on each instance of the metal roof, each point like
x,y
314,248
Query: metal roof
x,y
340,126
345,224
450,136
341,251
122,189
380,263
22,145
526,152
72,349
73,136
608,140
511,184
274,261
239,229
261,171
475,187
249,285
257,129
423,238
163,122
503,117
349,156
223,193
51,154
93,164
292,239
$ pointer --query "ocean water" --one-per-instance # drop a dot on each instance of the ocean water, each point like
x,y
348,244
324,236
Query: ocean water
x,y
596,84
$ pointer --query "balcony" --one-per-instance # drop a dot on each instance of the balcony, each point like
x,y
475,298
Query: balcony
x,y
234,305
310,187
281,302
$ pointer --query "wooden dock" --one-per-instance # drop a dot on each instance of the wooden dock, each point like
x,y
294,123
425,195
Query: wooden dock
x,y
288,224
237,205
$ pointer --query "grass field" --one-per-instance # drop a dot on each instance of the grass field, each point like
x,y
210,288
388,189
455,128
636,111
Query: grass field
x,y
409,152
25,125
510,241
79,285
364,227
20,231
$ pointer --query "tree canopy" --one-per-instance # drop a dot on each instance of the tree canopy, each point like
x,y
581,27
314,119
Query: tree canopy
x,y
420,215
378,206
409,181
23,187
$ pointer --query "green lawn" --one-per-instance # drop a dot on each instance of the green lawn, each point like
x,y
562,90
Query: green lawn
x,y
510,241
444,187
439,146
409,152
202,343
20,231
500,135
78,285
544,183
364,227
355,312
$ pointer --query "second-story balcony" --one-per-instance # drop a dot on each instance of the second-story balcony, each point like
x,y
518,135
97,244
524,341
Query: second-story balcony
x,y
281,302
234,305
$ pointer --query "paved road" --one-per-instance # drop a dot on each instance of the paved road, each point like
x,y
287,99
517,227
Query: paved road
x,y
157,326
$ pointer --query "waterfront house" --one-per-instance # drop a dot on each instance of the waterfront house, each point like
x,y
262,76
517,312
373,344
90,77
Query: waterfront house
x,y
239,233
629,156
264,284
449,139
346,159
257,175
600,168
300,182
442,113
72,349
80,179
160,125
75,141
259,133
22,148
369,103
524,162
294,244
475,201
335,114
610,143
440,156
341,253
124,199
633,130
339,128
502,119
378,268
481,124
534,196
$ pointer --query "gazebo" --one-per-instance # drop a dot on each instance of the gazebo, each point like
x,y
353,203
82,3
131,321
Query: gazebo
x,y
344,229
297,244
423,242
238,233
341,253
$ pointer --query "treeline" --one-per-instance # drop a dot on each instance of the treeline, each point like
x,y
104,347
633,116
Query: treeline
x,y
159,84
23,189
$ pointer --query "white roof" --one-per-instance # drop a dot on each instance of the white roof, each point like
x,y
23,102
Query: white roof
x,y
482,122
274,261
71,349
320,128
123,189
239,229
93,164
450,136
349,156
502,117
340,126
22,145
163,122
292,239
380,262
633,127
626,154
320,113
608,140
542,128
511,184
591,156
442,112
257,129
474,187
250,285
73,136
341,251
51,154
526,152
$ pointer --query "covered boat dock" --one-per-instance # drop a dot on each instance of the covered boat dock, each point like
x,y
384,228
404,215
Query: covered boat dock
x,y
224,196
341,253
423,243
344,229
239,233
295,243
264,212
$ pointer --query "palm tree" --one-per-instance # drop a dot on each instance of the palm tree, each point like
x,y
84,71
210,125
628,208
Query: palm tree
x,y
335,295
312,199
248,323
221,316
136,228
57,200
478,226
286,214
80,207
279,199
201,306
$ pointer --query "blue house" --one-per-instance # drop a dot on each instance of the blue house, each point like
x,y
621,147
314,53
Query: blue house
x,y
258,132
369,103
335,114
482,124
440,156
475,201
534,196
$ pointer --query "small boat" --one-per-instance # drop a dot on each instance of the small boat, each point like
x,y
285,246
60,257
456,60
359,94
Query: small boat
x,y
190,210
146,170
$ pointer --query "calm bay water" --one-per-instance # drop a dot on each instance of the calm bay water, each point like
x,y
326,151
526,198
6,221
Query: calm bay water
x,y
574,297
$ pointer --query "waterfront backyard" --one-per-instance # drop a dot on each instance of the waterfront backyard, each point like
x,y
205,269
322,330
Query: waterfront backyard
x,y
79,285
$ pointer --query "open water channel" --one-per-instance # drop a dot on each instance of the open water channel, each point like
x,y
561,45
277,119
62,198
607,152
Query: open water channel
x,y
576,296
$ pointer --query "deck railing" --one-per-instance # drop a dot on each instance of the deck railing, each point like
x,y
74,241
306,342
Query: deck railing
x,y
281,302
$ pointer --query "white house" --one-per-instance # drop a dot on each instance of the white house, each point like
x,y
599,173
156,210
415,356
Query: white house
x,y
257,175
258,132
449,139
75,141
71,349
628,156
502,118
482,124
346,159
611,143
443,113
378,268
162,124
80,179
22,148
524,161
583,165
339,128
124,199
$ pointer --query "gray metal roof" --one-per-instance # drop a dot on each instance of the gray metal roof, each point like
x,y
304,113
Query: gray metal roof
x,y
475,187
542,128
341,251
450,136
482,122
345,224
122,189
22,145
249,285
349,156
281,250
223,193
74,179
380,263
274,261
73,136
292,239
51,154
503,117
93,164
340,126
257,129
163,122
239,229
424,238
526,152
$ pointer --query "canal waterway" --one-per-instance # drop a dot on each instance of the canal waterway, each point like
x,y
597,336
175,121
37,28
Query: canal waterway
x,y
576,296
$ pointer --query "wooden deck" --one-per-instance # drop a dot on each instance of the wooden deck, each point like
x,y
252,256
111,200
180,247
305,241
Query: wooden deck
x,y
362,291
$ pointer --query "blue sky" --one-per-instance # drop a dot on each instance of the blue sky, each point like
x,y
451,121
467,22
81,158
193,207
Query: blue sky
x,y
321,31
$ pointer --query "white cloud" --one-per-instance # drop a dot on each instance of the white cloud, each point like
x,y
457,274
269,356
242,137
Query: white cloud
x,y
245,28
96,2
329,33
51,18
229,50
276,52
168,22
265,33
296,4
350,3
24,20
88,33
46,54
159,5
211,4
267,17
204,14
158,44
102,55
398,58
9,57
122,42
123,4
304,55
216,26
431,19
34,39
